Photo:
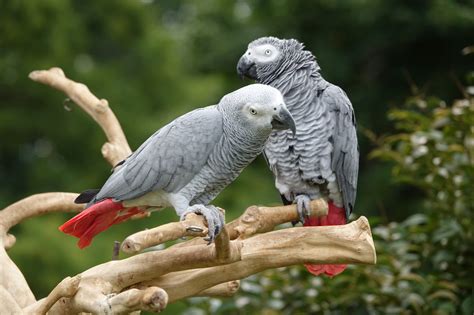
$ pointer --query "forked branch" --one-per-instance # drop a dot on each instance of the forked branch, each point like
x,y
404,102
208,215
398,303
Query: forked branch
x,y
117,148
255,219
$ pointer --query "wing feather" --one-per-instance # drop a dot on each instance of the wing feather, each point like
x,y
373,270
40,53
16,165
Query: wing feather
x,y
345,156
169,159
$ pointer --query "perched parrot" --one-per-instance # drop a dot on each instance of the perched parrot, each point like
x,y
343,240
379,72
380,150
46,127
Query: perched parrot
x,y
322,158
187,163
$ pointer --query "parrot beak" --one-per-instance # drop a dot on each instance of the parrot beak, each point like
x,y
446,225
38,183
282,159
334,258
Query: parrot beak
x,y
246,68
283,120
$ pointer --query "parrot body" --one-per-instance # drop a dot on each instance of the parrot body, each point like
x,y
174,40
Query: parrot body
x,y
187,163
321,159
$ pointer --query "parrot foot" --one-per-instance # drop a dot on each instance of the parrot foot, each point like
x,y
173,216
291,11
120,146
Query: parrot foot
x,y
303,206
214,218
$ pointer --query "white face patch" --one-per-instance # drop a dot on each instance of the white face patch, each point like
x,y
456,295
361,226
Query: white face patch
x,y
265,53
260,115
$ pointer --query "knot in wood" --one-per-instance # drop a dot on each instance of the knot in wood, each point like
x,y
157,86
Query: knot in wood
x,y
102,107
251,214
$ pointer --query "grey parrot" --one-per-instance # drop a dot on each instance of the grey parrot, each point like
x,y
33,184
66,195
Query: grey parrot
x,y
322,158
187,163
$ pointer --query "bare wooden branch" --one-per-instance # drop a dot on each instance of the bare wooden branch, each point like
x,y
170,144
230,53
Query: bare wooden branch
x,y
225,289
66,288
343,244
222,244
124,273
91,298
9,241
117,148
8,303
13,281
193,225
37,205
350,243
256,219
150,299
11,277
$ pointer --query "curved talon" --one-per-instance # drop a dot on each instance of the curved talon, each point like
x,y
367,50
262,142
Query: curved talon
x,y
303,206
194,229
214,218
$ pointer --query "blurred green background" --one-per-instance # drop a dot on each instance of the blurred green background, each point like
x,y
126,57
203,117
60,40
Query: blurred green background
x,y
400,62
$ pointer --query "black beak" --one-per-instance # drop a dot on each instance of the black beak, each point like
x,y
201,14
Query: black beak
x,y
246,68
283,120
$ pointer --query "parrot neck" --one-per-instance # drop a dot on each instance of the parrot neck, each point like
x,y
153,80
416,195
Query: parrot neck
x,y
248,136
298,86
304,61
235,151
247,141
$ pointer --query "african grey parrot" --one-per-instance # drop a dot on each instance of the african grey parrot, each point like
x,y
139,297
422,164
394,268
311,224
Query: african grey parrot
x,y
187,163
322,158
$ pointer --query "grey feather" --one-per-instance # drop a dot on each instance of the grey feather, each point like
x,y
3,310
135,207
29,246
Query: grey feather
x,y
345,156
169,158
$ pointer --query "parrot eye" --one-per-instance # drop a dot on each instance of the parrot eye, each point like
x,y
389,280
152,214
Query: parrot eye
x,y
249,53
268,52
253,111
274,108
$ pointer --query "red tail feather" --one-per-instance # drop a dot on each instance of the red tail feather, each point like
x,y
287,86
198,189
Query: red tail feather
x,y
95,219
336,216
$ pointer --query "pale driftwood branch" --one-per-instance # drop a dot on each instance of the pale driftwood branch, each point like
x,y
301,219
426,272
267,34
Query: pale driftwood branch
x,y
256,219
7,303
225,289
223,246
193,225
117,148
150,299
35,205
351,243
347,244
92,299
124,273
9,241
13,281
114,276
11,277
66,288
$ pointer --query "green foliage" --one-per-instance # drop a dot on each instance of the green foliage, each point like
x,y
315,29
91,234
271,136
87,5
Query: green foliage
x,y
424,263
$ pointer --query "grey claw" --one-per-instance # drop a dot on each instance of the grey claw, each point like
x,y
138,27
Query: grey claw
x,y
214,218
303,206
194,229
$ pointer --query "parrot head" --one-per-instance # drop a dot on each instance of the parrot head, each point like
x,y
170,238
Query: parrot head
x,y
267,57
258,108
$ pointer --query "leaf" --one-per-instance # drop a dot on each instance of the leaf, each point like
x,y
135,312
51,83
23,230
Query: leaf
x,y
443,294
416,219
447,229
467,306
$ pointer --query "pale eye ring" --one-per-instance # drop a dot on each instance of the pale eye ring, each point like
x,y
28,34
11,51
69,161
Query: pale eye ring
x,y
253,111
268,52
